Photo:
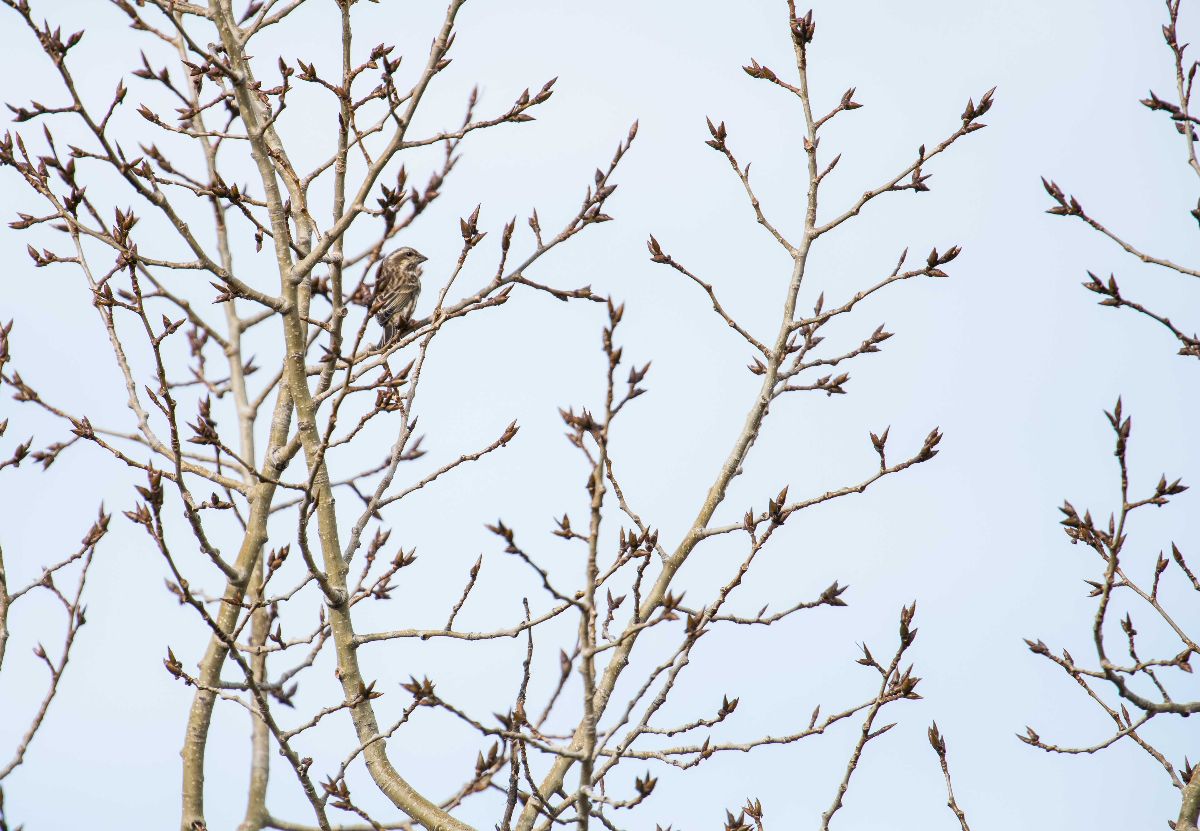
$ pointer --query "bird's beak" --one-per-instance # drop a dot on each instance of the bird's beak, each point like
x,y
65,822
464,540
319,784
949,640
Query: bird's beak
x,y
421,258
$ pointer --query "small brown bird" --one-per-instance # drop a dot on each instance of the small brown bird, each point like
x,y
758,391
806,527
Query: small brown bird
x,y
397,286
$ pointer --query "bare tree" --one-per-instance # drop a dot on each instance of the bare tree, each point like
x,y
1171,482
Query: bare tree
x,y
1147,682
319,387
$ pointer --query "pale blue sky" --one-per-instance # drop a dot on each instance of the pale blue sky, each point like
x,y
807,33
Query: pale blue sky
x,y
1010,357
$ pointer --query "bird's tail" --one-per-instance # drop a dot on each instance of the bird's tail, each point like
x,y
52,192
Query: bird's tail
x,y
390,333
393,331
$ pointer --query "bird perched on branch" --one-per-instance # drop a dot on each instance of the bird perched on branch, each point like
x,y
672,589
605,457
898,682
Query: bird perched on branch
x,y
397,285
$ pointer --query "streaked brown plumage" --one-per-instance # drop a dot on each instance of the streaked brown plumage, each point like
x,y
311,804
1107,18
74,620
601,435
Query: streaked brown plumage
x,y
397,286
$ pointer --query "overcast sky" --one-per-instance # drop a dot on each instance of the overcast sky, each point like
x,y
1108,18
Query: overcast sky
x,y
1010,357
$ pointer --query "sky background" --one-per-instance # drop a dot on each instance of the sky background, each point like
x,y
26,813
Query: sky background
x,y
1010,357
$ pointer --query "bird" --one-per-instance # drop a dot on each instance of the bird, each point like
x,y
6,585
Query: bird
x,y
397,286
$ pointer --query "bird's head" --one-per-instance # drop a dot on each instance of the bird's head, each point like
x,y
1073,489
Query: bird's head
x,y
405,258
